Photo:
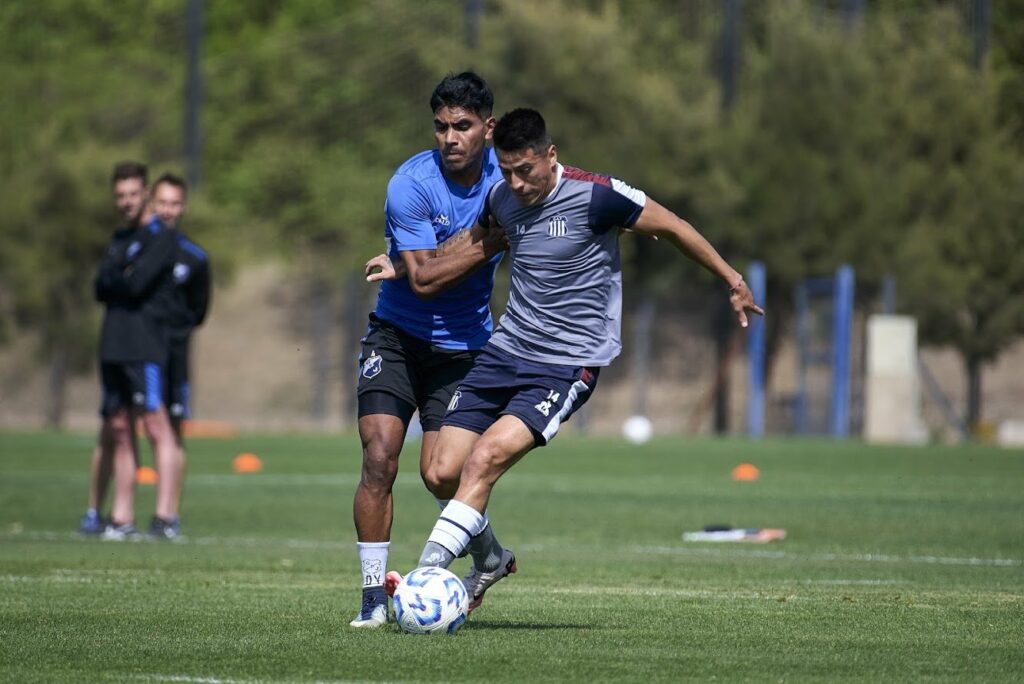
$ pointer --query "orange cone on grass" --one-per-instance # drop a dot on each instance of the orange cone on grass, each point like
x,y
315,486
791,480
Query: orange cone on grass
x,y
745,472
247,463
145,475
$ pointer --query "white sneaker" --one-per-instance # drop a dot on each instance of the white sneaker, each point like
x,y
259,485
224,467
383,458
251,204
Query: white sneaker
x,y
478,582
126,532
371,617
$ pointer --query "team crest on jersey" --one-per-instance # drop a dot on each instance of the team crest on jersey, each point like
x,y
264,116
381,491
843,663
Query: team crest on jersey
x,y
132,250
181,272
371,367
557,226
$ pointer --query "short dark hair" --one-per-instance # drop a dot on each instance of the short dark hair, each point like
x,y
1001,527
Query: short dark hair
x,y
172,179
129,169
467,90
522,129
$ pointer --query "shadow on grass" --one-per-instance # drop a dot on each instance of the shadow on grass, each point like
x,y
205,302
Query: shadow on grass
x,y
494,624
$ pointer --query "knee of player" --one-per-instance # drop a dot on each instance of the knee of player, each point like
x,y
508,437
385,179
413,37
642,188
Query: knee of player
x,y
485,463
441,481
118,427
380,458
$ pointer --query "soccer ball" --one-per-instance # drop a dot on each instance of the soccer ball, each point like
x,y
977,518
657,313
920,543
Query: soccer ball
x,y
430,601
637,429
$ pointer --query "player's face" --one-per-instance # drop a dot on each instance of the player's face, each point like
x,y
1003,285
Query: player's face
x,y
130,195
460,135
169,204
530,175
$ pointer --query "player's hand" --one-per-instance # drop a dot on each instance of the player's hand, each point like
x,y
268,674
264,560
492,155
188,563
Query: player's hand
x,y
495,240
380,268
742,301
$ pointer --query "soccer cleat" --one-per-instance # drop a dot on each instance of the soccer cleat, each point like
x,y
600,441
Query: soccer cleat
x,y
126,532
164,529
374,612
391,582
478,582
92,523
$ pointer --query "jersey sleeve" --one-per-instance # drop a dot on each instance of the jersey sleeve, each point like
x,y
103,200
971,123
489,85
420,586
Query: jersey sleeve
x,y
197,293
155,259
484,219
409,216
614,204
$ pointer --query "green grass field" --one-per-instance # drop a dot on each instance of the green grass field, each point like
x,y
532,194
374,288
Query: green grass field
x,y
900,564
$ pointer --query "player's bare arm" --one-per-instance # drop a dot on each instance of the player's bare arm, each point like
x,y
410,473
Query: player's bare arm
x,y
657,221
434,271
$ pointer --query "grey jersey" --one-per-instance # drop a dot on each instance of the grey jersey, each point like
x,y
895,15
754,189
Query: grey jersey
x,y
565,306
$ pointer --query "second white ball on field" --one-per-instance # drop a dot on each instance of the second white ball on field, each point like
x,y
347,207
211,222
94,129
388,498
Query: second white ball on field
x,y
637,429
430,601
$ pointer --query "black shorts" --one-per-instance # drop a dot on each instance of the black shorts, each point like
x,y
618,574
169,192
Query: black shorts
x,y
542,395
176,388
130,385
399,373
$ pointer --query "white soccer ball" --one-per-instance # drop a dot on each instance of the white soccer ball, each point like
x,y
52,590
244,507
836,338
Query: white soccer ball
x,y
430,601
637,429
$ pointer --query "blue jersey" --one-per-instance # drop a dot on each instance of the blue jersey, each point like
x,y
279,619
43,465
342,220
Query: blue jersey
x,y
422,210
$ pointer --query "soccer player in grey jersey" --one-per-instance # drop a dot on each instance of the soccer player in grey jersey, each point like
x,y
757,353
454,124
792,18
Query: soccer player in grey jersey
x,y
561,326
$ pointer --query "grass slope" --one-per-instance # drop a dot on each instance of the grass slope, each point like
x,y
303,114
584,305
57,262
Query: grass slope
x,y
900,564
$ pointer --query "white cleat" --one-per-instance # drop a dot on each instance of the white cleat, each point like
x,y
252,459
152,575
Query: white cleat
x,y
478,582
371,617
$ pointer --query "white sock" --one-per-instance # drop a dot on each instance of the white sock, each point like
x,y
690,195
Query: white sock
x,y
456,526
373,557
442,503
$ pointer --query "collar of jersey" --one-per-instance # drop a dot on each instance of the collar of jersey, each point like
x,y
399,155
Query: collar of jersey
x,y
558,181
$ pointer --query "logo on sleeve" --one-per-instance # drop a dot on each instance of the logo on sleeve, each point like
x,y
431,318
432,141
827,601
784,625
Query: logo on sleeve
x,y
557,226
371,367
181,272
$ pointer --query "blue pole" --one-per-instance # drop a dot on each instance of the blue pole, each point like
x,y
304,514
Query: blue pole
x,y
842,323
755,354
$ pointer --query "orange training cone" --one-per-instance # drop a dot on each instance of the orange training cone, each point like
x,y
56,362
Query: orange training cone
x,y
247,463
145,475
745,472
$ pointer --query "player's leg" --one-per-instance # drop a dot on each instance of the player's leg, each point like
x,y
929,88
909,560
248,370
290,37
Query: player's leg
x,y
101,469
491,455
386,402
176,399
149,402
382,436
122,512
448,373
545,398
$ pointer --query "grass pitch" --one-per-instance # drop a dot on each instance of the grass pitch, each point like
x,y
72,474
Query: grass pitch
x,y
900,564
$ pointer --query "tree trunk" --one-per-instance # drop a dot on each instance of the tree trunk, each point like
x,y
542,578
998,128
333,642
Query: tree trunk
x,y
722,317
640,366
57,386
359,300
320,310
973,414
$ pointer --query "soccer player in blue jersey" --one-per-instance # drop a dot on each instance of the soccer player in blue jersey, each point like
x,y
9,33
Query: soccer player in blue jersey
x,y
186,312
429,325
562,324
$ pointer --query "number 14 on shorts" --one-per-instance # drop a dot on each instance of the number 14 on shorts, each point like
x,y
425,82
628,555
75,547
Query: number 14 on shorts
x,y
545,406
